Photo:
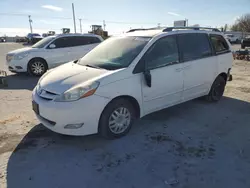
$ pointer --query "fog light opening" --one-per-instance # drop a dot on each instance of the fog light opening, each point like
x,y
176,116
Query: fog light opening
x,y
18,67
74,126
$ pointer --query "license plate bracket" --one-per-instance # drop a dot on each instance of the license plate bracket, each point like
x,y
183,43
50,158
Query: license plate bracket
x,y
35,107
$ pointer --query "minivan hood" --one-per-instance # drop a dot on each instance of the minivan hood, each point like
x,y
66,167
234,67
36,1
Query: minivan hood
x,y
27,49
66,76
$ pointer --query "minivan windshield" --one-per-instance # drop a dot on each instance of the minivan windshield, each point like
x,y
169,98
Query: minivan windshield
x,y
42,43
115,53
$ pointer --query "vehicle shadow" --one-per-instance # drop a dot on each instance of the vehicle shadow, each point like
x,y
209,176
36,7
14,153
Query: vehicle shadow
x,y
21,81
27,44
46,159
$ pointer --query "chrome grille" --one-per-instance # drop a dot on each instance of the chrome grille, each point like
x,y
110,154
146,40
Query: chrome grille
x,y
47,95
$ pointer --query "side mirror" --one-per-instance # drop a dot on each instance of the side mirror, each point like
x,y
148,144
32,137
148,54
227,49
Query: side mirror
x,y
52,46
148,78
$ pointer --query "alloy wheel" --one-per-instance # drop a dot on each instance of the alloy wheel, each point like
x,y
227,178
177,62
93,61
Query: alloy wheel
x,y
119,120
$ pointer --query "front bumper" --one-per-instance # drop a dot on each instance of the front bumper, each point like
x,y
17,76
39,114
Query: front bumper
x,y
56,115
17,65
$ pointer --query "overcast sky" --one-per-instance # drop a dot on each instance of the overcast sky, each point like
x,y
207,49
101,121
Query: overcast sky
x,y
120,15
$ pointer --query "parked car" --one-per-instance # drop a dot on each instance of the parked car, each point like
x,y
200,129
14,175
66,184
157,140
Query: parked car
x,y
33,38
232,38
2,40
245,42
21,39
51,52
130,76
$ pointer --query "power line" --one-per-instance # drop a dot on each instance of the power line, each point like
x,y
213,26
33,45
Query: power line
x,y
85,19
13,14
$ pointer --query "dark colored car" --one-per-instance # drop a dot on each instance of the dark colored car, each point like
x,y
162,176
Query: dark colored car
x,y
2,40
33,38
245,42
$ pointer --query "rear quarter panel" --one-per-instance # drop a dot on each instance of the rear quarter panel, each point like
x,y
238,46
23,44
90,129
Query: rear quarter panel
x,y
225,62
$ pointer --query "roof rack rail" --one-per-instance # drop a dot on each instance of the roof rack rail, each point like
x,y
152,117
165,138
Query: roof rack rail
x,y
194,28
133,30
143,29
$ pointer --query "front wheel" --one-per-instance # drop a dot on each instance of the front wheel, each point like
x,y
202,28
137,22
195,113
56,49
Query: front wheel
x,y
37,67
217,90
117,119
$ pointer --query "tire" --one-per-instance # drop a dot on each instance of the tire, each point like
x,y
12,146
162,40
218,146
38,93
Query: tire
x,y
217,90
113,123
242,47
37,67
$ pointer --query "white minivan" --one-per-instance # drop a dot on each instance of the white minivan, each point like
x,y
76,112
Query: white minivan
x,y
129,76
51,52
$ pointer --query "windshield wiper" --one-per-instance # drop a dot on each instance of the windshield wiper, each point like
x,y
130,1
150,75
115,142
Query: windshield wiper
x,y
93,66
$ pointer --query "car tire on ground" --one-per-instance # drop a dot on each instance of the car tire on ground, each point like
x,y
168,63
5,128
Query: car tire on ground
x,y
37,67
242,47
217,90
116,119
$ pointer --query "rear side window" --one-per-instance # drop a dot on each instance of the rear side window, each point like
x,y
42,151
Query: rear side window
x,y
94,40
80,41
219,43
194,46
63,42
72,41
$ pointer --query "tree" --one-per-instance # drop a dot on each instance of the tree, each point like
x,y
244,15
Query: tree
x,y
242,24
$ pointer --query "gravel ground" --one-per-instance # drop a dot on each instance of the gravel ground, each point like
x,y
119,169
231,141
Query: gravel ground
x,y
195,144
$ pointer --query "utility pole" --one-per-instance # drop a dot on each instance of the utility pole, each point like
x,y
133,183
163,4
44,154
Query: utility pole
x,y
74,19
30,21
186,22
80,25
104,25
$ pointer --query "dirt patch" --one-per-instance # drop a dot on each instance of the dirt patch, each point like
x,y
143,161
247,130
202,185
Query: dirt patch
x,y
179,149
9,142
11,119
109,160
244,89
16,142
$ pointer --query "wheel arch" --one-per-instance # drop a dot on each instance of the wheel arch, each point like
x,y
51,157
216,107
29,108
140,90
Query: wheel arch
x,y
223,75
131,99
34,58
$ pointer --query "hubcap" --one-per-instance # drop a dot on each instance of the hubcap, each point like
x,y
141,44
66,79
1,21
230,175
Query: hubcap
x,y
119,120
37,67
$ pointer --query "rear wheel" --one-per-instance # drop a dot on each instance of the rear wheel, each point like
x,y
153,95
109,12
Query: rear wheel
x,y
37,67
117,119
217,90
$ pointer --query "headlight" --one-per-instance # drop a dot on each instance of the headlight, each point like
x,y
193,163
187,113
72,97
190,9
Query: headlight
x,y
79,92
21,56
9,57
38,88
